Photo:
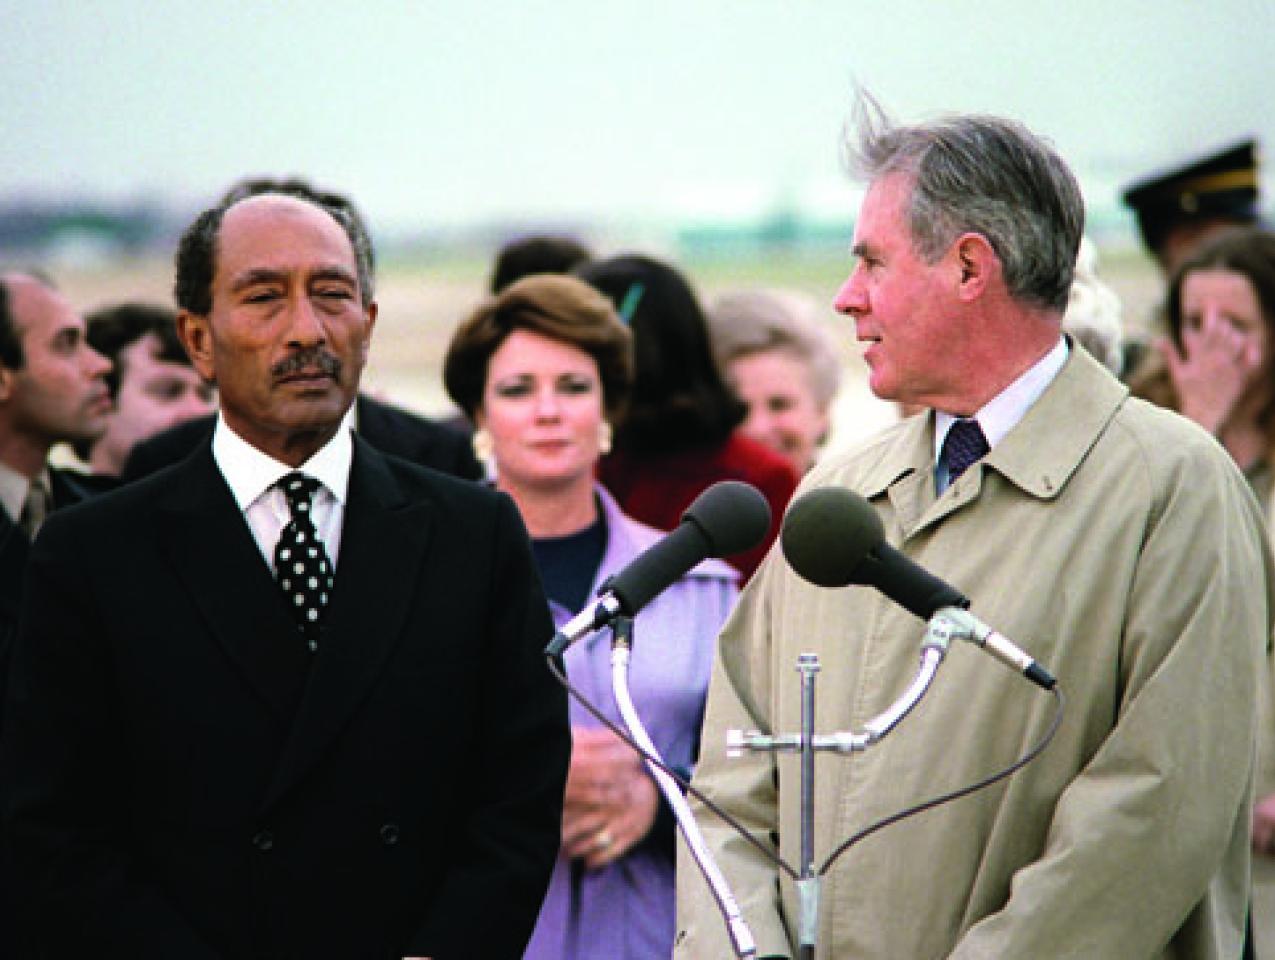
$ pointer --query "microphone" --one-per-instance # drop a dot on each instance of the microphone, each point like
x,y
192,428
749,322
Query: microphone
x,y
729,517
833,538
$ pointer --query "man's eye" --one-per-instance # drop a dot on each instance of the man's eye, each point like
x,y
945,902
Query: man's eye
x,y
166,391
66,341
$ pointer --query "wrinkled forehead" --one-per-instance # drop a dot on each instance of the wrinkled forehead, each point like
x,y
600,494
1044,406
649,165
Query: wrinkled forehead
x,y
280,233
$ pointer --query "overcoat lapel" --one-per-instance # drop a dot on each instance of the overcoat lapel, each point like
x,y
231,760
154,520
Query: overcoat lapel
x,y
383,543
1038,456
214,554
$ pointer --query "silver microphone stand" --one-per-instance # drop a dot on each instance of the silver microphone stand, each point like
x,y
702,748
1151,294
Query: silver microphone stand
x,y
741,936
807,743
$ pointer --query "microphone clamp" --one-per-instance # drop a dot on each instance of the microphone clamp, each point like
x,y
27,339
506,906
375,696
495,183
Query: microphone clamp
x,y
954,623
593,617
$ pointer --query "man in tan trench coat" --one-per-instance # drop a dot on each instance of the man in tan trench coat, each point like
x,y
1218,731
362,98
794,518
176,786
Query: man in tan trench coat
x,y
1114,541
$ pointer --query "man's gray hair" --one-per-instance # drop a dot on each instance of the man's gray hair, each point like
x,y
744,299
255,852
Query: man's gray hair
x,y
984,175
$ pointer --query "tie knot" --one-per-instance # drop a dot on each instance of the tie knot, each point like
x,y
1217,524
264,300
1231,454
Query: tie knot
x,y
963,445
299,489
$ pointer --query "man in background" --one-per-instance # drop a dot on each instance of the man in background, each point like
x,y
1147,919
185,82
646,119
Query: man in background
x,y
152,383
52,390
1179,208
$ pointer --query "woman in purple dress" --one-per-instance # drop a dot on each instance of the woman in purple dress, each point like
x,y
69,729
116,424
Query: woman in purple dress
x,y
543,369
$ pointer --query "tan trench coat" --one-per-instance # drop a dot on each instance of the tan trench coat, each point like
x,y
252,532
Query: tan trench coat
x,y
1120,546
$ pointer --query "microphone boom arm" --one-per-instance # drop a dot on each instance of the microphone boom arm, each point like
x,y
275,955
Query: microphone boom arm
x,y
934,648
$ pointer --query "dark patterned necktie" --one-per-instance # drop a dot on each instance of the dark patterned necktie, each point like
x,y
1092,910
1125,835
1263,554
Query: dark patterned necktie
x,y
301,564
35,508
963,445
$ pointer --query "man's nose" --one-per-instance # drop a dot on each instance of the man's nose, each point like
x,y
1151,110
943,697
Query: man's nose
x,y
96,366
306,327
850,299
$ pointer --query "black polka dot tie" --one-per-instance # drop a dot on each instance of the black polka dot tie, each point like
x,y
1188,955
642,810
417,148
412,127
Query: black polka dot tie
x,y
301,564
963,445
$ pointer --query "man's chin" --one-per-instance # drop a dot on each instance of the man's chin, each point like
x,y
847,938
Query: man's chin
x,y
882,388
316,404
86,431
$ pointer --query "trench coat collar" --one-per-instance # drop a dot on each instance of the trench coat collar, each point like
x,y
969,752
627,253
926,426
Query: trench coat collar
x,y
1039,455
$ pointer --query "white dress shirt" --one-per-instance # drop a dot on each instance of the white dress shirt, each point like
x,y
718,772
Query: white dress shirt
x,y
252,475
1001,414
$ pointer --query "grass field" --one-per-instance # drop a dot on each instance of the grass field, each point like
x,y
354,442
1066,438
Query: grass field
x,y
422,298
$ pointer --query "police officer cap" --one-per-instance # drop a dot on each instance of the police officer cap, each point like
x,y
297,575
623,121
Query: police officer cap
x,y
1221,186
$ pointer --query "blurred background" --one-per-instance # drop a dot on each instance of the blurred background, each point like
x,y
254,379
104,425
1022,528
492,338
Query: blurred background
x,y
707,132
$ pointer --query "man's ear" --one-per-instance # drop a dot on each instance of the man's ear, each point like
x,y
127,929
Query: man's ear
x,y
196,336
977,262
6,384
369,312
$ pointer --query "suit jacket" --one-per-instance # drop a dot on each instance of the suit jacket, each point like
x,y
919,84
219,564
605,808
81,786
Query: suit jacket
x,y
388,428
186,781
66,487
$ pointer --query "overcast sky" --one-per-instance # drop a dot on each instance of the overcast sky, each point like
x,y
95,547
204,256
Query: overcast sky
x,y
474,110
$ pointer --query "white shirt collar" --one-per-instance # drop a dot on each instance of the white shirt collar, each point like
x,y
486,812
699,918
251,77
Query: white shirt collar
x,y
1001,414
14,487
250,473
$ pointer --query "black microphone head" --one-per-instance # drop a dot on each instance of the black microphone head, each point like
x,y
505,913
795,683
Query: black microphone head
x,y
827,534
733,515
726,518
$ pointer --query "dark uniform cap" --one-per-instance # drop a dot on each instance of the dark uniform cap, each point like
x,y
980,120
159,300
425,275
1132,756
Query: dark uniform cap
x,y
1220,186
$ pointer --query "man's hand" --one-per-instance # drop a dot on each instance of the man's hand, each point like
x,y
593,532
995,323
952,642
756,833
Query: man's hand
x,y
610,800
1263,835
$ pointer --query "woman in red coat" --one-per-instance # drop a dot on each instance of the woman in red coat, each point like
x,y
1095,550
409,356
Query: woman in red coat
x,y
681,433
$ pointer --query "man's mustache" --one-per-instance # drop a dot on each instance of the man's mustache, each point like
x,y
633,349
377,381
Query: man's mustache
x,y
308,358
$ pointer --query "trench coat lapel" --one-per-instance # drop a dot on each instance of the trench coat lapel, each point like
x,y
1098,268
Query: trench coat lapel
x,y
905,473
383,543
213,553
1039,455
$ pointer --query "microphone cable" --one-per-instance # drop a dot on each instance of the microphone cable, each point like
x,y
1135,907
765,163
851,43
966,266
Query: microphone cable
x,y
1036,750
906,812
681,781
